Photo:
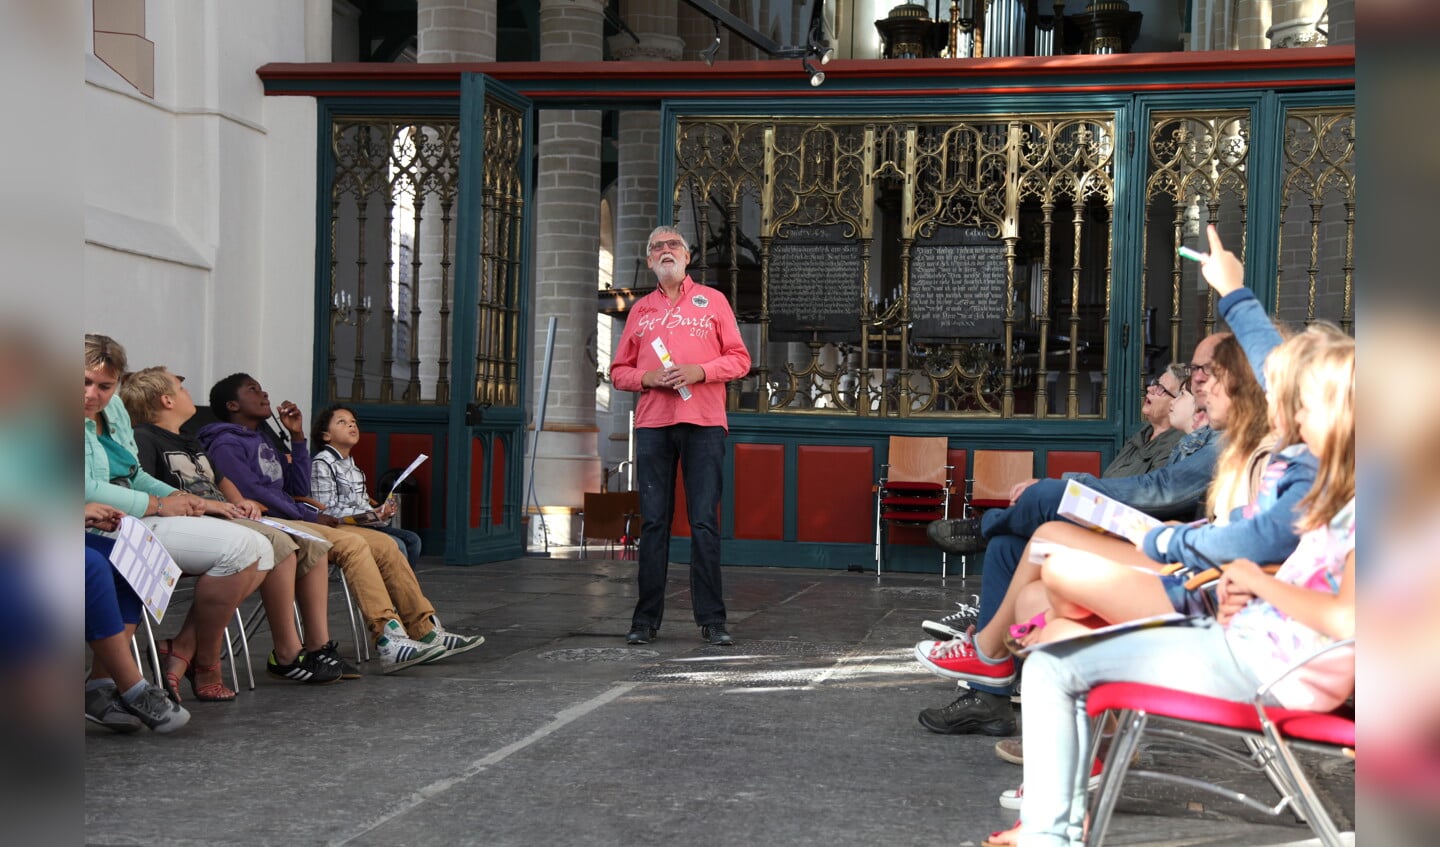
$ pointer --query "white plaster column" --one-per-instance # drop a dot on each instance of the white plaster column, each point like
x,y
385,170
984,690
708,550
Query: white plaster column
x,y
448,31
567,246
456,30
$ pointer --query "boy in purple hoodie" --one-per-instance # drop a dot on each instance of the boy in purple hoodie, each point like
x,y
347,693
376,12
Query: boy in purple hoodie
x,y
384,585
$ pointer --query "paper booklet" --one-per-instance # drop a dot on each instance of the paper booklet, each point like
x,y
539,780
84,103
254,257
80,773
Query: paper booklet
x,y
1104,631
273,524
1088,507
145,564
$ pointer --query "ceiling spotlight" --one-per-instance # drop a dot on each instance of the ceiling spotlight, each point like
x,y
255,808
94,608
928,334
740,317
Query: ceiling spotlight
x,y
816,76
708,54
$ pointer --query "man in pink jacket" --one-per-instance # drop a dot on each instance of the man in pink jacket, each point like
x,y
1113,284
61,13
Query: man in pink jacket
x,y
681,345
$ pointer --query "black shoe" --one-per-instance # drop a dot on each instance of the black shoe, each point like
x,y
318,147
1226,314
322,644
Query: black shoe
x,y
716,634
640,634
306,667
972,713
956,536
329,653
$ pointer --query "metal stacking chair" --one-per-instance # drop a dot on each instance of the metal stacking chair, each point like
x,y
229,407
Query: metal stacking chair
x,y
914,488
612,517
1270,735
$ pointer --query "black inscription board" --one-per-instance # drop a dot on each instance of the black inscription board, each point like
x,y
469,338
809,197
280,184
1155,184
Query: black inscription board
x,y
815,284
957,287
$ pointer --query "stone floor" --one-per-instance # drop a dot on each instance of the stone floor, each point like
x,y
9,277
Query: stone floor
x,y
554,732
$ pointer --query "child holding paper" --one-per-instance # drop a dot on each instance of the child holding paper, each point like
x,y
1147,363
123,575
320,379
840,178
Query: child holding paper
x,y
339,484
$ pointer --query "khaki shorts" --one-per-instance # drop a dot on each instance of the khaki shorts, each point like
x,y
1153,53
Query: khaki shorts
x,y
308,552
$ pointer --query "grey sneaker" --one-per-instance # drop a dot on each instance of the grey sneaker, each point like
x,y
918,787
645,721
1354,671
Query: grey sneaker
x,y
102,706
717,634
156,710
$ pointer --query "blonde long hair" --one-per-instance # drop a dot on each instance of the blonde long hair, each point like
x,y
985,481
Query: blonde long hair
x,y
1313,373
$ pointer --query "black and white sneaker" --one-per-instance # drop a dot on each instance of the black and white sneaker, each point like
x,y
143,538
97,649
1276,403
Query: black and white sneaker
x,y
307,667
957,624
329,652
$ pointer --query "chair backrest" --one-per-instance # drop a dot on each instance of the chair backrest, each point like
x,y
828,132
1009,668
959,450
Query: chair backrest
x,y
606,514
996,472
915,459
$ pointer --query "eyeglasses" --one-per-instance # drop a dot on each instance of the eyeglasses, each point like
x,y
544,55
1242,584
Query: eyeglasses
x,y
1154,384
1208,369
674,245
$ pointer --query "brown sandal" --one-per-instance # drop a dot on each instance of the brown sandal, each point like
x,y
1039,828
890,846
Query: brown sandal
x,y
214,692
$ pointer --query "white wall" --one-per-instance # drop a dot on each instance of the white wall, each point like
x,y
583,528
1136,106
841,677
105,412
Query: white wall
x,y
199,204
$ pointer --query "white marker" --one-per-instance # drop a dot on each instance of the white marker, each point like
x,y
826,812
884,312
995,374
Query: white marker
x,y
659,347
1187,253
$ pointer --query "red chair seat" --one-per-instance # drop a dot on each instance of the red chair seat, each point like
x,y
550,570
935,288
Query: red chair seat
x,y
1337,728
911,502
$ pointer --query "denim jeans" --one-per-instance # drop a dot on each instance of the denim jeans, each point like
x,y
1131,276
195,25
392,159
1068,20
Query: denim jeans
x,y
1002,558
409,542
1057,730
700,452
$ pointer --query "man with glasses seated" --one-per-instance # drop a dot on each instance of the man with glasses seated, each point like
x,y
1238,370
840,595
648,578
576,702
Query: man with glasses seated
x,y
1171,492
680,346
1150,448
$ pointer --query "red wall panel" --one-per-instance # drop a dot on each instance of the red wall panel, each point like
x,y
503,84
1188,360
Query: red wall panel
x,y
1060,461
497,485
834,501
404,447
760,491
477,479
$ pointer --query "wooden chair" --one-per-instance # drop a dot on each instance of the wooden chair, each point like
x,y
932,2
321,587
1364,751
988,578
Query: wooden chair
x,y
612,517
914,488
995,473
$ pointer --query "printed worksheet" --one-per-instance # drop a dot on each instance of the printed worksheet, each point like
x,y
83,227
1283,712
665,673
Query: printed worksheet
x,y
145,564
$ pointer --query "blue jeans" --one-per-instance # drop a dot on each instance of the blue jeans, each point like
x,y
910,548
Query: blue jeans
x,y
1002,558
1056,728
110,602
700,450
408,541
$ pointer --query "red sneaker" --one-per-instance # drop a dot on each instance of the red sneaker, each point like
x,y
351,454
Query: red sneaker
x,y
957,659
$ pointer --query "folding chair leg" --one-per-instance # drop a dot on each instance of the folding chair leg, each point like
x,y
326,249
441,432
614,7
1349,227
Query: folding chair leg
x,y
1128,731
362,646
245,649
1303,795
154,651
234,664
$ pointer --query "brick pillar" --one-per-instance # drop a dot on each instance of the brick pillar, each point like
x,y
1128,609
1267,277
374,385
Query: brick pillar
x,y
456,30
567,247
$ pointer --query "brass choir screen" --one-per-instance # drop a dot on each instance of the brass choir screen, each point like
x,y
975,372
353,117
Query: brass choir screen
x,y
896,214
825,233
393,234
1317,218
1196,176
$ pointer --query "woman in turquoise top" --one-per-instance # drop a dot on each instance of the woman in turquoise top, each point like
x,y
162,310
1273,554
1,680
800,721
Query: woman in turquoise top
x,y
230,560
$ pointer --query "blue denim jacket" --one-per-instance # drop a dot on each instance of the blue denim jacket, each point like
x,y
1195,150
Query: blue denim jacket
x,y
1174,491
1263,531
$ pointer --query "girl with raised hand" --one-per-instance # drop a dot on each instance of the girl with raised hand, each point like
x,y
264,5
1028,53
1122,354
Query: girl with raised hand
x,y
1264,623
